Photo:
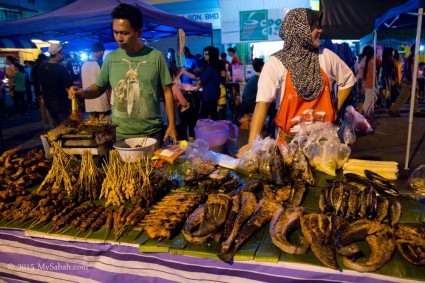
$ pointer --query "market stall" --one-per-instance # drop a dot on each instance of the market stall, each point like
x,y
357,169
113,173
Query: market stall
x,y
206,216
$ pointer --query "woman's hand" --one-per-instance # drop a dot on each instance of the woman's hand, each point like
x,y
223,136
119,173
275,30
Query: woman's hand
x,y
242,150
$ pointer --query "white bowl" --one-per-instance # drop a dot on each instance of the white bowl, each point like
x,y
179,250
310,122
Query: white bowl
x,y
134,149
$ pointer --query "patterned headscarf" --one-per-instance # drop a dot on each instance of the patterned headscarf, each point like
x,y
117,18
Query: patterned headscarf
x,y
299,55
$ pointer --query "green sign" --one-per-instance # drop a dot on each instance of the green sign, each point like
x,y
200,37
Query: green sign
x,y
253,25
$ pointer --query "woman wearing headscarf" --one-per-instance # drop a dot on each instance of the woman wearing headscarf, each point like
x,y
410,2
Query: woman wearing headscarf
x,y
299,77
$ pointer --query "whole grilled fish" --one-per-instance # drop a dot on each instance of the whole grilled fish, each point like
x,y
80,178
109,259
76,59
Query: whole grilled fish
x,y
215,213
277,166
320,231
380,238
236,205
300,169
263,213
248,204
284,221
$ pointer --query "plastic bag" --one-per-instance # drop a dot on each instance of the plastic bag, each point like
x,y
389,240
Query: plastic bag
x,y
357,120
250,160
199,150
416,182
325,151
265,156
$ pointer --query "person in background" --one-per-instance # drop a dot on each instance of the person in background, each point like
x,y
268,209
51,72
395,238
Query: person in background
x,y
235,59
406,88
10,71
368,84
227,66
55,81
210,83
99,109
73,68
19,89
249,95
388,73
135,72
299,77
45,116
3,110
191,65
395,84
28,83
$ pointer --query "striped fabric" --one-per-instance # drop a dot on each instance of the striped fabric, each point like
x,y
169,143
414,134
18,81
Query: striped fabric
x,y
16,43
33,259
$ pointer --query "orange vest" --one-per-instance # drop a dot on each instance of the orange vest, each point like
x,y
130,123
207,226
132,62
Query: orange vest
x,y
293,107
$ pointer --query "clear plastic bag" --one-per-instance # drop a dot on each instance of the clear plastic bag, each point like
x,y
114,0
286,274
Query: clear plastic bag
x,y
325,151
416,182
357,120
250,160
265,156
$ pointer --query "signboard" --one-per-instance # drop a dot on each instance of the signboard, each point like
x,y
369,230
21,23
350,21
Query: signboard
x,y
253,25
213,17
255,21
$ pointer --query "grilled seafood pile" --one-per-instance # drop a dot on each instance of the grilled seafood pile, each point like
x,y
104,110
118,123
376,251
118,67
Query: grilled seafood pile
x,y
23,170
167,217
347,200
230,221
327,235
207,178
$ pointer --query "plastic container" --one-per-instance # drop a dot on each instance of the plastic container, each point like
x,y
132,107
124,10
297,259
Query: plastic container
x,y
215,134
134,149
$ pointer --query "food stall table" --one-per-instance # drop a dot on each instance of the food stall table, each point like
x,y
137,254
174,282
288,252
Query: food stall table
x,y
37,259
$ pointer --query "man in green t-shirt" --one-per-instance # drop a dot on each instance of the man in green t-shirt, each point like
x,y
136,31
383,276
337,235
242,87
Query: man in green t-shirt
x,y
136,73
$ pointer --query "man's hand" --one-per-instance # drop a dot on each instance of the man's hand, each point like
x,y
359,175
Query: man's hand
x,y
75,91
171,132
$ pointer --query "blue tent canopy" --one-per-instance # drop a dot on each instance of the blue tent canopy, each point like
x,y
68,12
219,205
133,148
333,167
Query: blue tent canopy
x,y
84,22
400,17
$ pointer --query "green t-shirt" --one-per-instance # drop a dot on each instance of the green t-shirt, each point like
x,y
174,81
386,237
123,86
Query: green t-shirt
x,y
136,81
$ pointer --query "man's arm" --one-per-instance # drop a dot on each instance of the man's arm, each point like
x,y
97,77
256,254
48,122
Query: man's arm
x,y
91,92
169,109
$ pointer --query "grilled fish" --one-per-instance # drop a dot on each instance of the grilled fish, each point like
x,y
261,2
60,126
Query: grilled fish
x,y
215,213
248,204
262,214
380,238
320,231
285,220
300,169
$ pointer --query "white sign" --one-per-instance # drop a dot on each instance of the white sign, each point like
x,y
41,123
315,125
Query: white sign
x,y
254,21
213,17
